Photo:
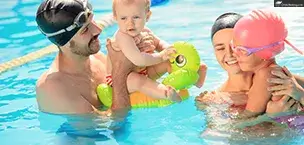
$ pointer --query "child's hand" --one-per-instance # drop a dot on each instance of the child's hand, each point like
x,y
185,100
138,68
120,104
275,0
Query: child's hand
x,y
202,75
168,53
173,95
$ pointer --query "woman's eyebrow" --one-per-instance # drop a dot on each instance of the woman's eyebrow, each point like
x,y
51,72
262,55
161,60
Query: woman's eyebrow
x,y
219,44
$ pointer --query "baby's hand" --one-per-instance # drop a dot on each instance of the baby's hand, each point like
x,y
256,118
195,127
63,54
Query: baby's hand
x,y
168,53
202,75
173,95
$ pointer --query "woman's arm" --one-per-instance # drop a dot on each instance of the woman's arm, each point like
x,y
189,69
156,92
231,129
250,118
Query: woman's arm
x,y
300,80
284,106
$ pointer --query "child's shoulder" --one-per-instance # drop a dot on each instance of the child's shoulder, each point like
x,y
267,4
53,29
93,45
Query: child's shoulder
x,y
266,71
146,29
120,37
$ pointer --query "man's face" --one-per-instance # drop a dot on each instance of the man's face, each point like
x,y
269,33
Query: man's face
x,y
86,42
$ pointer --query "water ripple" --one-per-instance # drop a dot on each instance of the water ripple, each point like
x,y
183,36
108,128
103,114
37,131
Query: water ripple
x,y
26,34
25,113
9,21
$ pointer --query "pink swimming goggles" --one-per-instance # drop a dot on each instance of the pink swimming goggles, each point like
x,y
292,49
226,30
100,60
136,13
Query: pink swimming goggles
x,y
243,50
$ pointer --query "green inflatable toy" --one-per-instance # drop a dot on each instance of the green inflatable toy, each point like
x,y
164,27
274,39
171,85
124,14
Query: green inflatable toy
x,y
184,72
184,66
104,93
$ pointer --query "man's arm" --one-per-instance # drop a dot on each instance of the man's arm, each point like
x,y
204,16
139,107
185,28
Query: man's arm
x,y
121,67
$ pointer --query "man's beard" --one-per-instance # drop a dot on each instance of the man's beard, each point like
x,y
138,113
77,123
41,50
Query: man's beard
x,y
82,50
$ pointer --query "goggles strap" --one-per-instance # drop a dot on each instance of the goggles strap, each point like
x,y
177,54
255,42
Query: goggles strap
x,y
295,48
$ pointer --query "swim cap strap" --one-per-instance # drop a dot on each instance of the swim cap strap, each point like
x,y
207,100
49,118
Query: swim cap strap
x,y
295,48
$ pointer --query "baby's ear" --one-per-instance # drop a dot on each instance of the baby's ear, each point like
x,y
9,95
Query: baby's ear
x,y
115,17
148,16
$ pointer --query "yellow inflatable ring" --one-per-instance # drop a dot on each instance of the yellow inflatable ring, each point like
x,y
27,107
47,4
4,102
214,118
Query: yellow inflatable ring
x,y
137,99
140,100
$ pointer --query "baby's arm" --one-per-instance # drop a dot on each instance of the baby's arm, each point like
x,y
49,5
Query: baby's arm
x,y
128,47
258,95
159,43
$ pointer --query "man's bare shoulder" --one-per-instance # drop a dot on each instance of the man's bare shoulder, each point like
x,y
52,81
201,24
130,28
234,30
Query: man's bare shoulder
x,y
55,94
146,29
49,88
50,78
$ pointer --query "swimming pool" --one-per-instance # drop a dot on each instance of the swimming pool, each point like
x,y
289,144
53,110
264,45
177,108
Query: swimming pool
x,y
188,20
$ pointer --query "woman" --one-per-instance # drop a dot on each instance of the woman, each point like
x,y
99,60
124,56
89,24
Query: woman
x,y
238,83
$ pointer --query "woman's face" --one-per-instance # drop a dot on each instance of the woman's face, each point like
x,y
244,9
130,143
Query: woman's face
x,y
223,52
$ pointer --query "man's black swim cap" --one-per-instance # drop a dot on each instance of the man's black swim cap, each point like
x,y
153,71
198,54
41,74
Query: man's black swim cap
x,y
226,20
55,15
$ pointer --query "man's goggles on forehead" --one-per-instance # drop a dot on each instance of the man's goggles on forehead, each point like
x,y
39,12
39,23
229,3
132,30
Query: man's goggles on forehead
x,y
79,20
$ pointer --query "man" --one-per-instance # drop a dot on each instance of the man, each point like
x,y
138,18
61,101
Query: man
x,y
69,85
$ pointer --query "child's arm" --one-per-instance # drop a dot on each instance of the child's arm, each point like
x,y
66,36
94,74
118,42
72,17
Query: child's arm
x,y
159,44
128,47
258,95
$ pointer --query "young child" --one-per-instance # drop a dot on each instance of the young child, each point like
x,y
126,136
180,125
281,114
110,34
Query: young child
x,y
131,16
257,38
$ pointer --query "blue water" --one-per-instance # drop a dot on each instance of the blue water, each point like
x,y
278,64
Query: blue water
x,y
188,20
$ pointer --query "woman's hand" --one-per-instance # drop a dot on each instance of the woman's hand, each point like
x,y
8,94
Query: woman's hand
x,y
285,104
285,84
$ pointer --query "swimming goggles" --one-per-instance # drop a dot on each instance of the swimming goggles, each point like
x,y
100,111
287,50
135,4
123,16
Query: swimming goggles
x,y
248,50
79,20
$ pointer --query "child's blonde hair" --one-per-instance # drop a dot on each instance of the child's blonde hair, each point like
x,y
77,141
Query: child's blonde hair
x,y
147,4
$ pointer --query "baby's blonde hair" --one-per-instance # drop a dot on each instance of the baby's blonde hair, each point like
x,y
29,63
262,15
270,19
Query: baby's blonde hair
x,y
147,4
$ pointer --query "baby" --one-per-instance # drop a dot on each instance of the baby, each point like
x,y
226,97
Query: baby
x,y
131,16
257,38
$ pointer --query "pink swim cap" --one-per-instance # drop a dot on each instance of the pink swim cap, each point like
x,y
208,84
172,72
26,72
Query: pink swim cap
x,y
261,28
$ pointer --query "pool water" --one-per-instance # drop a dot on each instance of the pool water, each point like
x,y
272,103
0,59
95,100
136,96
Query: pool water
x,y
178,124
